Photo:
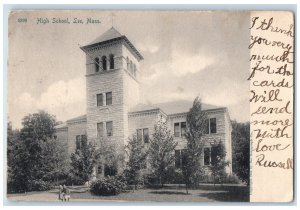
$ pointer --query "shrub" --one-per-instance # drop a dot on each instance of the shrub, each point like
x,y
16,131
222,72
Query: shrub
x,y
107,186
232,179
74,180
39,185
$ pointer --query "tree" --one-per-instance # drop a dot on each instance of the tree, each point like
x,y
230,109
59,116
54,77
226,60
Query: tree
x,y
196,126
218,162
137,156
17,170
241,150
161,151
34,153
111,155
82,162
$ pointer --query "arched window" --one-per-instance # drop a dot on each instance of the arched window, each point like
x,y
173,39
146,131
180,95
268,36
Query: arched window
x,y
97,63
111,61
127,60
104,62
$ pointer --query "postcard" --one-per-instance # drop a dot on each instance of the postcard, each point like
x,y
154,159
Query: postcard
x,y
150,106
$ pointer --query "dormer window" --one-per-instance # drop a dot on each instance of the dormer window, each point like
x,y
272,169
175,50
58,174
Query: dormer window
x,y
111,61
104,63
97,63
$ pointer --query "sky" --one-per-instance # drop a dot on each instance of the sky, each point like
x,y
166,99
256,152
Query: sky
x,y
186,54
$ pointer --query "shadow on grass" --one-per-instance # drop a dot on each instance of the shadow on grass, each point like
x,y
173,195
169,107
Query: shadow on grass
x,y
232,194
167,192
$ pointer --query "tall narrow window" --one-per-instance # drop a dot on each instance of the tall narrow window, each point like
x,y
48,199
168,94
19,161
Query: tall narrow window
x,y
97,63
184,158
206,156
109,128
131,67
100,129
146,135
183,128
176,130
128,64
83,141
109,98
99,169
213,125
177,158
139,134
104,63
111,61
213,154
78,146
134,70
100,99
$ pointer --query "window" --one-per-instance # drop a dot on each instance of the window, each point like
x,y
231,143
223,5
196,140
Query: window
x,y
104,62
183,128
206,156
180,158
83,141
213,154
213,125
99,169
100,129
100,99
176,130
128,64
134,70
78,145
177,159
146,135
109,98
131,67
111,61
139,134
97,65
109,128
110,170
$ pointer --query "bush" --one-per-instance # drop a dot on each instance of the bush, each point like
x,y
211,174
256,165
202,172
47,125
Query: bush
x,y
232,179
108,186
74,180
39,185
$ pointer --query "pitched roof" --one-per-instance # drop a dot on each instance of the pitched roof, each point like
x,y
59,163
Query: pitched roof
x,y
110,36
61,126
79,118
112,33
172,107
143,107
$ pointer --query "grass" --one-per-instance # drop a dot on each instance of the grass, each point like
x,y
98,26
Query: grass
x,y
205,193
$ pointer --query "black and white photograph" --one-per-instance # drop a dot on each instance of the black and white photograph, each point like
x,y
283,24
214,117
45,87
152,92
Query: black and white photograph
x,y
135,106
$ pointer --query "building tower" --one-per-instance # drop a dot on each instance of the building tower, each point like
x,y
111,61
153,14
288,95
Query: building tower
x,y
112,86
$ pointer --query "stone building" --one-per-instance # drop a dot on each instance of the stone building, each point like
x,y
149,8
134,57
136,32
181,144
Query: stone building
x,y
114,111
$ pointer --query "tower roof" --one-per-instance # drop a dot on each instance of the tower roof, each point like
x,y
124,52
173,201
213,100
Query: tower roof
x,y
112,35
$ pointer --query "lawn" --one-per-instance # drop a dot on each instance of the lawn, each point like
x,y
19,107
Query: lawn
x,y
205,193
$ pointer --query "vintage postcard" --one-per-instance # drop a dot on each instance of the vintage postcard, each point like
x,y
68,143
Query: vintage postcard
x,y
156,106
